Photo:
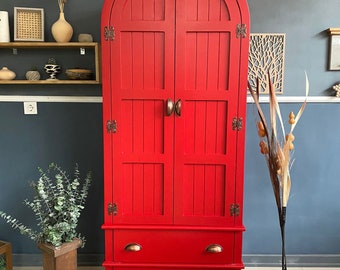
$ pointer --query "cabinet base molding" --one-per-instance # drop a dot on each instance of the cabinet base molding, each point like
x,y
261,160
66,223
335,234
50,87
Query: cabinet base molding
x,y
146,266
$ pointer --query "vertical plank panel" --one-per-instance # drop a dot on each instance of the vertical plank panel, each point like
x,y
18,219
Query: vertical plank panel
x,y
215,10
191,61
188,190
149,10
138,61
159,127
138,129
202,60
127,190
137,10
189,128
126,61
225,13
148,191
211,128
149,60
192,6
159,10
127,11
200,127
221,120
210,186
158,189
159,58
213,58
220,191
199,185
138,189
203,10
126,127
149,127
224,63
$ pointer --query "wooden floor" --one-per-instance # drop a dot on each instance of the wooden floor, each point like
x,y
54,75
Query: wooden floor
x,y
247,268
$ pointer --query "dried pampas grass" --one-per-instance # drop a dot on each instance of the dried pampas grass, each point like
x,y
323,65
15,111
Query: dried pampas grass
x,y
61,4
277,152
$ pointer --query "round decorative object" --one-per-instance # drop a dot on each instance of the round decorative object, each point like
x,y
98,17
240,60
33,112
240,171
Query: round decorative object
x,y
79,74
85,38
7,74
33,75
62,31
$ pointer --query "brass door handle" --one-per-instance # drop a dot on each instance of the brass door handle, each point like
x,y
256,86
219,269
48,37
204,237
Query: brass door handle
x,y
214,248
178,107
133,247
170,107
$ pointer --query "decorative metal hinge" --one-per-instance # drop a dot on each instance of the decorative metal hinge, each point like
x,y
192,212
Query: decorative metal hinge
x,y
111,126
241,30
237,123
112,209
109,33
234,210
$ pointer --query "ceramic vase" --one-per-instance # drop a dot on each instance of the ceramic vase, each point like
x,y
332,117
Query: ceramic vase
x,y
7,74
62,31
4,27
33,75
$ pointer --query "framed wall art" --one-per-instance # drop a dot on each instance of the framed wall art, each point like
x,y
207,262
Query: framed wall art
x,y
334,49
267,53
28,24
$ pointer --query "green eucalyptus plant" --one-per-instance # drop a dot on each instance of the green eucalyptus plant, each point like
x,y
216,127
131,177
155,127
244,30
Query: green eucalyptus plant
x,y
57,205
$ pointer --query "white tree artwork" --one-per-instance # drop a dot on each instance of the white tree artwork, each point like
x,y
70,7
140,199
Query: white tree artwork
x,y
266,54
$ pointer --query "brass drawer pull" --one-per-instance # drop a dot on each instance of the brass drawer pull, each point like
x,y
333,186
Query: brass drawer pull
x,y
214,248
133,247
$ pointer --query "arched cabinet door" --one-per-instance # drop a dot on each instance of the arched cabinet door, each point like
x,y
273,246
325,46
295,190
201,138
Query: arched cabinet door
x,y
174,98
139,65
207,83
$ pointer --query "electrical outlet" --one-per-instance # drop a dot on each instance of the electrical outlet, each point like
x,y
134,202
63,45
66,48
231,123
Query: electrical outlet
x,y
30,107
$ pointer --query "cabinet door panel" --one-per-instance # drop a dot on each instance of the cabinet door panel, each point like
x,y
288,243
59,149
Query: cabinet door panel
x,y
207,84
142,72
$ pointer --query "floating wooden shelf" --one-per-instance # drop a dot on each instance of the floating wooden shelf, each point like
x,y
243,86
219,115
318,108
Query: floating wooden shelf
x,y
54,45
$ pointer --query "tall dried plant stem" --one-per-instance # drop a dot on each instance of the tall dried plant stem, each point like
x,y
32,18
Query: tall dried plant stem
x,y
282,217
61,4
277,154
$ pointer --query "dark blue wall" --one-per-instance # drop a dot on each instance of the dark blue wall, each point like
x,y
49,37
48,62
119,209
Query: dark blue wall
x,y
72,132
64,133
313,209
305,23
313,212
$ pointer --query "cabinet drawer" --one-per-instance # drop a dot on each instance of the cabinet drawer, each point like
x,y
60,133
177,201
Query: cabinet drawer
x,y
172,246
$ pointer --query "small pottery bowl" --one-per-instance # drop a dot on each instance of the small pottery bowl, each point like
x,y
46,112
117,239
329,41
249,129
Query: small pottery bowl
x,y
85,38
79,74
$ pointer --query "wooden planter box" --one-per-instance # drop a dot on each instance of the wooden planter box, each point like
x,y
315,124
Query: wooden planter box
x,y
60,258
6,248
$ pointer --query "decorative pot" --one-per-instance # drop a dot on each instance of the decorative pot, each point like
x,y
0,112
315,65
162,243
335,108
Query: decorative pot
x,y
7,74
62,31
33,75
63,257
52,69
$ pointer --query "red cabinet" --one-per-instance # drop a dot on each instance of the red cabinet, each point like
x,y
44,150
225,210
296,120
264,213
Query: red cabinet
x,y
174,98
